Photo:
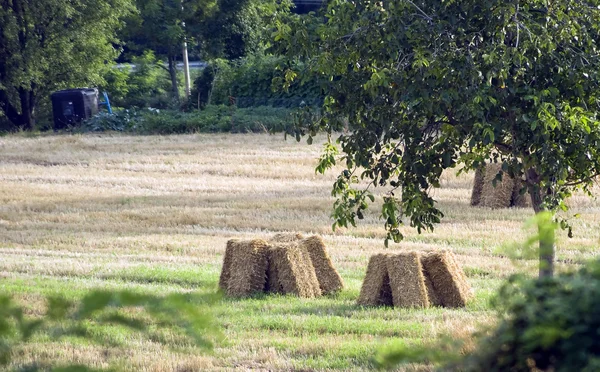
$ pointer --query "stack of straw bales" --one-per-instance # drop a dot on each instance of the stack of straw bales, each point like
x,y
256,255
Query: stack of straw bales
x,y
413,280
506,193
287,264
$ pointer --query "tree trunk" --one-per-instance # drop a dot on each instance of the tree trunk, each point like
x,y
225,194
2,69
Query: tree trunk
x,y
24,119
27,107
173,74
546,268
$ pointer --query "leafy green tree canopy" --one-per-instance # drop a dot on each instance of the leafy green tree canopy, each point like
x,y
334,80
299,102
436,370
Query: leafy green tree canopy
x,y
429,85
163,25
47,45
240,27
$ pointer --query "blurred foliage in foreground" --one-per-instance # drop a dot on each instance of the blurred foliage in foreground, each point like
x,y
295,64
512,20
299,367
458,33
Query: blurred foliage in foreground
x,y
547,324
186,314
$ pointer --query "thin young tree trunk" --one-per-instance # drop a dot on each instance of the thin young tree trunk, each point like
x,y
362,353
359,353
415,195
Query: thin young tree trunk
x,y
173,75
546,237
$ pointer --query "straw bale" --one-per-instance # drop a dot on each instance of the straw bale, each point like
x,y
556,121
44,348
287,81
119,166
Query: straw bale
x,y
226,269
247,267
499,196
431,295
477,186
376,290
272,283
293,269
328,277
286,237
448,279
518,200
407,280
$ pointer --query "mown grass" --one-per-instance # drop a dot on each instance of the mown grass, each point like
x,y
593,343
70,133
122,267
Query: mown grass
x,y
153,214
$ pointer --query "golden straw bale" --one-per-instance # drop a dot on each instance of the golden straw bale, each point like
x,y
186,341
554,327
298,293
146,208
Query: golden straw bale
x,y
286,237
375,290
499,196
247,267
294,271
328,277
407,280
273,284
226,269
448,279
477,186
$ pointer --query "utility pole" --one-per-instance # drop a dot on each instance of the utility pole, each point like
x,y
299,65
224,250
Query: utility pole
x,y
186,69
186,63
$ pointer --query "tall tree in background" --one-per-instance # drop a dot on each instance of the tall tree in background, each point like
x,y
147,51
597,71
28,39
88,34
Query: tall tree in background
x,y
435,84
51,44
240,27
163,25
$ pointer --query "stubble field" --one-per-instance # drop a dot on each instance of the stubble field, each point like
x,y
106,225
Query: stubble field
x,y
153,214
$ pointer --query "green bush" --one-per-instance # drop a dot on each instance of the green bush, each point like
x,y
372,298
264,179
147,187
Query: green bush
x,y
214,119
252,82
146,86
211,119
545,324
549,324
120,121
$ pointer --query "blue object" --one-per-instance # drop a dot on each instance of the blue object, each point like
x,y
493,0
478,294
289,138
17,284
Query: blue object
x,y
106,102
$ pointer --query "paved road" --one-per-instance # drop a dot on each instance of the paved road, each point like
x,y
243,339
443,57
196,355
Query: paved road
x,y
193,65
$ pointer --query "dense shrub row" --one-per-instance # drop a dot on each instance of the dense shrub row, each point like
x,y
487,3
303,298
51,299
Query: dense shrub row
x,y
250,82
147,85
210,119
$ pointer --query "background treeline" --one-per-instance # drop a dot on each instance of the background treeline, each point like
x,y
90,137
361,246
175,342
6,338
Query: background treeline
x,y
139,66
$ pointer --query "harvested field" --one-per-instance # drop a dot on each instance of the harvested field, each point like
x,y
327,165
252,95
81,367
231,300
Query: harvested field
x,y
154,214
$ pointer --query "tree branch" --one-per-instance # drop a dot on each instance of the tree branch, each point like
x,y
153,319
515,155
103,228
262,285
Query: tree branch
x,y
575,183
420,10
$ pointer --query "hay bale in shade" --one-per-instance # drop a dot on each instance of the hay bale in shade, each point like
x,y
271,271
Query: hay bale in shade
x,y
505,194
247,267
286,237
376,290
328,277
499,196
477,186
448,279
407,280
431,295
518,199
272,284
293,270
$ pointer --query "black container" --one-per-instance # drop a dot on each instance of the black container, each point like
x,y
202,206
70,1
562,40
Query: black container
x,y
70,107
